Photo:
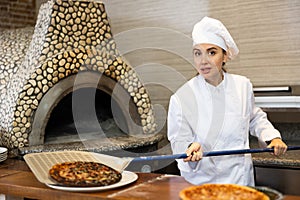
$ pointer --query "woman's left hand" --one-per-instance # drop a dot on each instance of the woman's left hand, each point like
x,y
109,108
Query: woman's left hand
x,y
279,146
194,152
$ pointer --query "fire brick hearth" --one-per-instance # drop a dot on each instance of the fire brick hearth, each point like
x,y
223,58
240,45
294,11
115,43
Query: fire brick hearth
x,y
64,68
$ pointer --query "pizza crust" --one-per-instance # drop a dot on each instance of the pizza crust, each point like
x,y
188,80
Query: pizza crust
x,y
84,174
221,192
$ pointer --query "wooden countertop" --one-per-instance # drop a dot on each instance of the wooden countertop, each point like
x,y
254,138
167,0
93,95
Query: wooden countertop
x,y
16,179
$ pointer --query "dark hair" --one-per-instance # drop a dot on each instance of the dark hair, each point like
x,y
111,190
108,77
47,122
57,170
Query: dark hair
x,y
223,64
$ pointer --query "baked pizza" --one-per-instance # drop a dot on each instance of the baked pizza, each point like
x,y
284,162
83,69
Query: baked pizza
x,y
84,174
221,192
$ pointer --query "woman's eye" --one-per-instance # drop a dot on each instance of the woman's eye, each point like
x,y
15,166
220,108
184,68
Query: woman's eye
x,y
212,53
197,53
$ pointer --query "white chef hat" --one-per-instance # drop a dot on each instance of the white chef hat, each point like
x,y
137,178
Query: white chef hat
x,y
212,31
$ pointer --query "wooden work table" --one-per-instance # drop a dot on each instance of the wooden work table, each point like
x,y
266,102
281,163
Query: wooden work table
x,y
17,180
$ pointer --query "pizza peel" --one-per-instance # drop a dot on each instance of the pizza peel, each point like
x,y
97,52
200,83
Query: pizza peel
x,y
211,153
40,163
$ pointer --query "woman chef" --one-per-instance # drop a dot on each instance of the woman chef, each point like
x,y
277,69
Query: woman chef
x,y
215,110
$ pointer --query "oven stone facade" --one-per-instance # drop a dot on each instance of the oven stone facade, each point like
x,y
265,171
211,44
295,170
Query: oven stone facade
x,y
70,37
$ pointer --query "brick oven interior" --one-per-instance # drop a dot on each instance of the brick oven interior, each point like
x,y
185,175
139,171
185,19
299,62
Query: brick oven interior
x,y
87,113
61,125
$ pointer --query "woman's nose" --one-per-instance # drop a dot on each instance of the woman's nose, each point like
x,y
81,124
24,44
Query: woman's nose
x,y
204,59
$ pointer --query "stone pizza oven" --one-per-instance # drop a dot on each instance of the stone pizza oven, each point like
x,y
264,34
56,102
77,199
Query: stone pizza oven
x,y
60,70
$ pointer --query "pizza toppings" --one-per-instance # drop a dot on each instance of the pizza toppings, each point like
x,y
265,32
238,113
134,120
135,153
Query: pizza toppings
x,y
83,174
221,192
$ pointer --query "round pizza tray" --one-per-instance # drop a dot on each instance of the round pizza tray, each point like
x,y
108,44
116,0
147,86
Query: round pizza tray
x,y
272,194
127,178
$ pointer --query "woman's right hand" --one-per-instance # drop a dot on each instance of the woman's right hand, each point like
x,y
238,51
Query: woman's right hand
x,y
194,152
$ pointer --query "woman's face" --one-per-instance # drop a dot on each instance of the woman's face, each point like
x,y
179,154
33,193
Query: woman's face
x,y
209,59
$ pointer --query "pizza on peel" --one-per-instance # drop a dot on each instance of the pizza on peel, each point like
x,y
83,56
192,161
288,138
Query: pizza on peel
x,y
221,192
84,174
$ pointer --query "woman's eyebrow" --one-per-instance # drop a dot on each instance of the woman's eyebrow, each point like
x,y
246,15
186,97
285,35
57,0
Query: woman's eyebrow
x,y
211,48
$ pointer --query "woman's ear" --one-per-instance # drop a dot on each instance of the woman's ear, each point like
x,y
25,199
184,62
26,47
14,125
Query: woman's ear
x,y
225,58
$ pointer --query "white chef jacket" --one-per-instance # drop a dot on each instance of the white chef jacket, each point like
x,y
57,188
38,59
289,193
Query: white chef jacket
x,y
219,118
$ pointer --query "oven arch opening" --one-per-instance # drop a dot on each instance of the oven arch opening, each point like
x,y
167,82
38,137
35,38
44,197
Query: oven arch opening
x,y
96,87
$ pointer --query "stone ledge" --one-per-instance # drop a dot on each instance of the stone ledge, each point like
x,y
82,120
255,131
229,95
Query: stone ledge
x,y
140,143
289,160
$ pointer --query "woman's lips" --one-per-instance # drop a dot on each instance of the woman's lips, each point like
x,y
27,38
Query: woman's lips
x,y
205,70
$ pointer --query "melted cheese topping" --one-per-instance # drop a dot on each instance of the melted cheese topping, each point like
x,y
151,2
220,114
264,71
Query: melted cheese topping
x,y
221,192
